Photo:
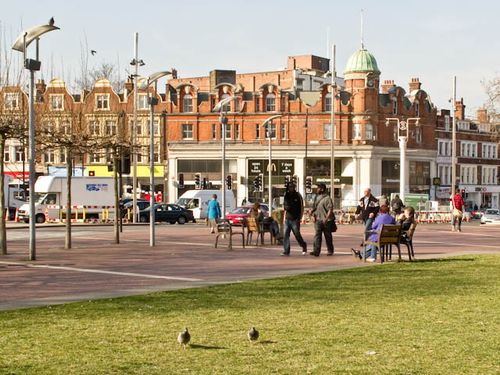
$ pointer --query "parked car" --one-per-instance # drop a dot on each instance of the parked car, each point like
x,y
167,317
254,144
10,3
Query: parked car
x,y
171,213
239,214
142,204
491,215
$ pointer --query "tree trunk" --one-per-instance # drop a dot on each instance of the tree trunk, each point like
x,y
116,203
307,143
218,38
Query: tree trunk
x,y
3,231
69,173
117,197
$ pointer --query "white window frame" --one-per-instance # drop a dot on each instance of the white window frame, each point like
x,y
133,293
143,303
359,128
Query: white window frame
x,y
49,156
369,132
356,131
62,155
19,154
229,131
187,131
6,154
110,128
257,131
328,102
95,158
95,128
102,102
272,129
418,135
283,131
142,102
270,102
11,101
187,99
56,102
65,128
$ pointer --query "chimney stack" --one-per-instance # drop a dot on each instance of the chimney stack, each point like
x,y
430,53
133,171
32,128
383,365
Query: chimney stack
x,y
460,109
174,73
387,85
482,116
414,84
40,86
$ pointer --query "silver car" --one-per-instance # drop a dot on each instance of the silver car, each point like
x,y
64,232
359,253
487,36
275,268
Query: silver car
x,y
491,215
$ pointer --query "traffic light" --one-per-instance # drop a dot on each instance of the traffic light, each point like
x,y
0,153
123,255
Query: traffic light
x,y
197,181
125,162
309,181
257,183
229,182
204,184
181,180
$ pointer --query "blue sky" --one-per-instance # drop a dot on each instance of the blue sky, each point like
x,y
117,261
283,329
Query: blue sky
x,y
432,40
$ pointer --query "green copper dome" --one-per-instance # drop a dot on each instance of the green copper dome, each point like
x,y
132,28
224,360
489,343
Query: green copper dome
x,y
361,61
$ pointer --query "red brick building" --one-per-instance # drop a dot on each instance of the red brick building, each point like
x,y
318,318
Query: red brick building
x,y
366,149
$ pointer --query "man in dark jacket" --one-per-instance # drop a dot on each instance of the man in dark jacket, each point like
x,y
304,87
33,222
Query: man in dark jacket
x,y
294,208
368,204
397,205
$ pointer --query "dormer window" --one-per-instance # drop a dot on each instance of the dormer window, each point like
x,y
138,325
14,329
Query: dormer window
x,y
187,103
102,102
142,102
417,109
11,100
270,103
225,107
56,102
395,107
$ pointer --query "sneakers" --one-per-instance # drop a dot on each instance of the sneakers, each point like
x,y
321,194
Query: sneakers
x,y
283,254
304,250
371,260
356,253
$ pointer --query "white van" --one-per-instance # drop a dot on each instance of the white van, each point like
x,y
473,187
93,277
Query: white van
x,y
197,201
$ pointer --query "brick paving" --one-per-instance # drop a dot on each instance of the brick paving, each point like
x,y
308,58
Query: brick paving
x,y
184,257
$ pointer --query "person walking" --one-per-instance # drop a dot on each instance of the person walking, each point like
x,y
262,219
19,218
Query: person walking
x,y
213,213
324,219
457,213
293,205
397,205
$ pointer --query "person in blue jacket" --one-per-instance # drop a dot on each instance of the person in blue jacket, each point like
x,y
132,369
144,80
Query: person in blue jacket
x,y
213,213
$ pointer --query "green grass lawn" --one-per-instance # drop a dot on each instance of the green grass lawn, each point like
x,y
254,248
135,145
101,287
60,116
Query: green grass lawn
x,y
427,317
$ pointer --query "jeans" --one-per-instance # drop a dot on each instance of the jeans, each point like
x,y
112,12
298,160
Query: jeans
x,y
321,229
292,226
370,252
456,223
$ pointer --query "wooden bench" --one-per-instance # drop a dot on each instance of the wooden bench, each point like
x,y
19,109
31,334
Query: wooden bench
x,y
224,228
407,239
259,229
387,235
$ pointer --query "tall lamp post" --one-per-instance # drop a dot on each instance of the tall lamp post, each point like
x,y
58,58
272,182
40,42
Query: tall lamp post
x,y
144,84
332,126
403,128
135,63
268,122
220,107
454,139
21,44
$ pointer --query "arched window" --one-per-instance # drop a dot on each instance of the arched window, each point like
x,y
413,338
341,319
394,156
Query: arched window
x,y
187,103
270,103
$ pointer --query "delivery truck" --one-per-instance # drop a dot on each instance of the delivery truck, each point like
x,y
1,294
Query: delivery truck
x,y
92,198
14,193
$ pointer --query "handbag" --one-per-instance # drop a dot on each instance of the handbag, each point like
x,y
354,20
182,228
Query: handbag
x,y
333,226
457,213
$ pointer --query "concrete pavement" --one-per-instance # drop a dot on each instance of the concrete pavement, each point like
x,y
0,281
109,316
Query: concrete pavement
x,y
184,257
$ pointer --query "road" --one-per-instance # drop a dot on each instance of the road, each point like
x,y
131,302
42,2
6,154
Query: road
x,y
184,257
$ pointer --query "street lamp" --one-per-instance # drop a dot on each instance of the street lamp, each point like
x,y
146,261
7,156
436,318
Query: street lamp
x,y
136,62
403,128
220,107
144,84
21,44
268,122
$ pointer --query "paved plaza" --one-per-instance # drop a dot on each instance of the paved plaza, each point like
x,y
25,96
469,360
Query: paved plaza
x,y
184,257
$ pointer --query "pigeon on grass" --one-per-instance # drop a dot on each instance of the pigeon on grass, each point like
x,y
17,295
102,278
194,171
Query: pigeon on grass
x,y
253,334
184,338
